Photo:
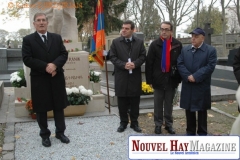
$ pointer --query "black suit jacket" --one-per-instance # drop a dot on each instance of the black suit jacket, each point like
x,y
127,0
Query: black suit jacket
x,y
47,92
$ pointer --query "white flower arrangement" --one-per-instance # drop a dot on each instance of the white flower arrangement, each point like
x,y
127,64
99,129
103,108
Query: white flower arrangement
x,y
17,79
95,76
78,96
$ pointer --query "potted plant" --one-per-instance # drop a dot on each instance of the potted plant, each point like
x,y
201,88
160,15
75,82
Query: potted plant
x,y
78,96
17,79
78,99
94,78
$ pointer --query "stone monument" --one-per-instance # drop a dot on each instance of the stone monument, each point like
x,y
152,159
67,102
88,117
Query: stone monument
x,y
62,20
208,30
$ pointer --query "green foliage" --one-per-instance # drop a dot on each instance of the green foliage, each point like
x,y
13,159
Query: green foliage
x,y
204,17
111,13
78,99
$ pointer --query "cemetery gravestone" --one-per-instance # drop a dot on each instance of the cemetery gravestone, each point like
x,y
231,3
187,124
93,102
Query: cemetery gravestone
x,y
208,31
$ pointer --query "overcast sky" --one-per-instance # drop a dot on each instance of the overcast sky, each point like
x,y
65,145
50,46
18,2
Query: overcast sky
x,y
14,24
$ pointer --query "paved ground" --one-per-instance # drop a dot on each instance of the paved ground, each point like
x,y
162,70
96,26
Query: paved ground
x,y
7,116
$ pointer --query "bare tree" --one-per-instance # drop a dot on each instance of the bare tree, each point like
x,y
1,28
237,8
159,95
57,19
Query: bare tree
x,y
210,9
223,24
145,16
198,8
3,35
176,10
86,31
236,2
233,23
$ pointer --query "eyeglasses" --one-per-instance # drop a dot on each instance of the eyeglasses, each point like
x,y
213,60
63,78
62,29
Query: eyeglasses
x,y
165,29
39,20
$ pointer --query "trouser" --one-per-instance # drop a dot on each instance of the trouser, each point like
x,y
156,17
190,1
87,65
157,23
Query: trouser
x,y
191,122
43,124
126,103
163,98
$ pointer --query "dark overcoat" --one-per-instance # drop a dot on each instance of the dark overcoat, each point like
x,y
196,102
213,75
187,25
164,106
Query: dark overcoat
x,y
196,96
153,72
47,92
127,85
236,65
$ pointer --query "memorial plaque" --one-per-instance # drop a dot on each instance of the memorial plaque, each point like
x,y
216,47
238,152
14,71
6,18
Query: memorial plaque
x,y
76,69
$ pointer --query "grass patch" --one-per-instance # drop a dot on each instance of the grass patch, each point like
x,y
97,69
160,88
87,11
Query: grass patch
x,y
2,128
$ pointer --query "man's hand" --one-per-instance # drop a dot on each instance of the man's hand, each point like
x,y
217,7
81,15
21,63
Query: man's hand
x,y
51,68
191,78
54,73
129,65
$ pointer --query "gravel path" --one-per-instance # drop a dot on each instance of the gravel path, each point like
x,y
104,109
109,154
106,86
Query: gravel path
x,y
90,138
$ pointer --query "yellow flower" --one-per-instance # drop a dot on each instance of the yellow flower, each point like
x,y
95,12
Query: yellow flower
x,y
146,89
90,58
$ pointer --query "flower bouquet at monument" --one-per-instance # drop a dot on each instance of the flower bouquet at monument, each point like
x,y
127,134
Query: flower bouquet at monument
x,y
78,96
146,89
90,58
17,78
29,107
94,76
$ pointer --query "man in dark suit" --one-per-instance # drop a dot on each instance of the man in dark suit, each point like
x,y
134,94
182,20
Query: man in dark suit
x,y
127,53
45,54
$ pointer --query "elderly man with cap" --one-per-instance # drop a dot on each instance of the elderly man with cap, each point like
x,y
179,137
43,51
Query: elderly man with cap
x,y
196,64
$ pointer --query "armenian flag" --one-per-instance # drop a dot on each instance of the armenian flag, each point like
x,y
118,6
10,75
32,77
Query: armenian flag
x,y
98,39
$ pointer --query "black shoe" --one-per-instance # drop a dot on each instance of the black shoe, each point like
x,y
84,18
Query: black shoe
x,y
158,129
121,128
136,128
46,142
170,130
62,138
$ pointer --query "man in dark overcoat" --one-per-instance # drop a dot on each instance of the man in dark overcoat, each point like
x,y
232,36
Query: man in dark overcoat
x,y
236,69
44,53
127,53
163,79
196,64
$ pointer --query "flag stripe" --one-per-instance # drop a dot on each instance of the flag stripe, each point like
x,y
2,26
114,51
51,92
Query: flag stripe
x,y
98,40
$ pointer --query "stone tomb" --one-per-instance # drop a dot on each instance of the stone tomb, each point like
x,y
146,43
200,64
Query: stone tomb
x,y
76,74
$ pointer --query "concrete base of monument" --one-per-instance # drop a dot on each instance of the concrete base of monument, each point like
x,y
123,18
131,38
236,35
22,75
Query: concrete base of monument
x,y
146,101
97,104
23,92
20,110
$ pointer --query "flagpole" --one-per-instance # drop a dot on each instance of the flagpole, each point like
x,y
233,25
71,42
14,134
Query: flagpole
x,y
99,9
106,70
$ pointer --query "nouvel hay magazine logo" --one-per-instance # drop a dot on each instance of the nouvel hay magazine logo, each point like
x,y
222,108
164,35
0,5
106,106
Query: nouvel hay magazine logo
x,y
183,147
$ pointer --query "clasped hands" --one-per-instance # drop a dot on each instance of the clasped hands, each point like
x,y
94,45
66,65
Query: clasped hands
x,y
51,69
129,65
191,78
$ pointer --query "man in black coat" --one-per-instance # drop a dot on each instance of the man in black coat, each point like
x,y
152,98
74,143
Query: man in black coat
x,y
162,75
44,53
127,53
236,68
